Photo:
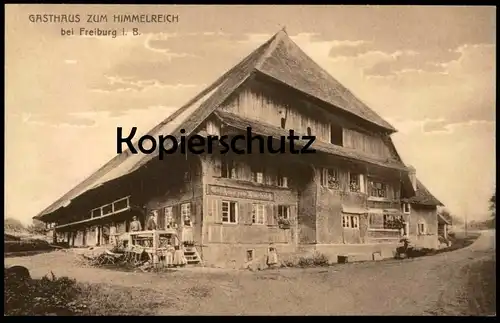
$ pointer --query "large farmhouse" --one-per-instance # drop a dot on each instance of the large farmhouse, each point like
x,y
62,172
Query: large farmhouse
x,y
354,195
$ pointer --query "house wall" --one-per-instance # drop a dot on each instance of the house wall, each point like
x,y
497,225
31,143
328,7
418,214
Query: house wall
x,y
226,244
427,215
306,217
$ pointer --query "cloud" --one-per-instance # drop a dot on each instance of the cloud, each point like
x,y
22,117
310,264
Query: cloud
x,y
119,84
70,61
152,43
57,120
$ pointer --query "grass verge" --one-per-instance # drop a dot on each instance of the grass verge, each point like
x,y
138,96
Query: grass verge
x,y
58,296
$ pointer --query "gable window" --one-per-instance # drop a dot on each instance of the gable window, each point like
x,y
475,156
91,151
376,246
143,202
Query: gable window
x,y
354,182
283,123
309,132
378,189
422,228
169,216
336,135
350,221
282,181
227,168
406,208
258,213
257,175
186,211
284,212
229,212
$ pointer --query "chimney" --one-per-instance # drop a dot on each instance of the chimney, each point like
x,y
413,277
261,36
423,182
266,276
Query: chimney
x,y
412,174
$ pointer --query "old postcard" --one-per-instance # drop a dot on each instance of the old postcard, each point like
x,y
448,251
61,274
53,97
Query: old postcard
x,y
249,160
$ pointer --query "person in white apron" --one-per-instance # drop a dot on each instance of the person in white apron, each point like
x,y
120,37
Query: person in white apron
x,y
187,232
272,256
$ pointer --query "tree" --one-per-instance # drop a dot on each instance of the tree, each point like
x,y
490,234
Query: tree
x,y
37,227
493,202
11,224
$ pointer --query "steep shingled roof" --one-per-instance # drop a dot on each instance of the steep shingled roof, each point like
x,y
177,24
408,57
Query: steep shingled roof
x,y
423,196
279,58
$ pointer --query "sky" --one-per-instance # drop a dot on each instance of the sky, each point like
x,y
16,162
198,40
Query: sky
x,y
429,71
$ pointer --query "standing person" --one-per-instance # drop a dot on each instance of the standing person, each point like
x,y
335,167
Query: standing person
x,y
135,225
151,223
272,256
187,232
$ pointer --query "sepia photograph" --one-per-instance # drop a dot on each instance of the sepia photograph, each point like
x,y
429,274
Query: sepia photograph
x,y
270,160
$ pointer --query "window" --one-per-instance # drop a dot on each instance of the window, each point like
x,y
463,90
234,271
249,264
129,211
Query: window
x,y
95,213
282,181
212,128
169,216
421,228
227,168
378,189
350,221
186,211
258,213
283,123
120,205
309,132
354,182
250,255
284,212
392,221
406,208
336,135
107,209
229,212
257,175
330,178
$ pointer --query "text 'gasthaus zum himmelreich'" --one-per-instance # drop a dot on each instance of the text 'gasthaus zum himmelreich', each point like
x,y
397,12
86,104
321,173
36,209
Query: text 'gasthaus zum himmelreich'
x,y
88,19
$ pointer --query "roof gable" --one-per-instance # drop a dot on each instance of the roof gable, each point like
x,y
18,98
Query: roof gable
x,y
290,65
279,58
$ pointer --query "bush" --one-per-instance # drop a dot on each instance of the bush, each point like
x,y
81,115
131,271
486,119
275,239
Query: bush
x,y
316,260
46,296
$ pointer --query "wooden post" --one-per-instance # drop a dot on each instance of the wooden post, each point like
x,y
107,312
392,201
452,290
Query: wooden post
x,y
155,248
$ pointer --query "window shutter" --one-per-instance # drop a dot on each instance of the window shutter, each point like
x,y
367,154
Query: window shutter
x,y
362,183
270,212
217,165
194,211
176,212
243,213
210,207
161,218
293,213
218,210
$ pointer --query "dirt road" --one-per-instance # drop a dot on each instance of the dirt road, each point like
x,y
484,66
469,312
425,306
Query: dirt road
x,y
434,285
